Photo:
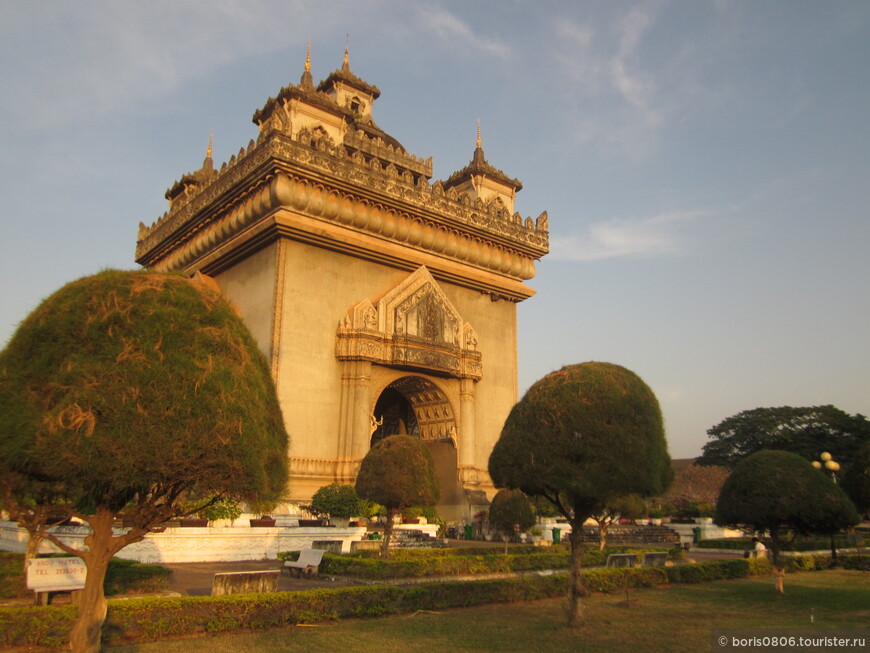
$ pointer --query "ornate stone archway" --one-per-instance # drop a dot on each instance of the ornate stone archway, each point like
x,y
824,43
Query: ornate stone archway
x,y
414,342
416,406
432,418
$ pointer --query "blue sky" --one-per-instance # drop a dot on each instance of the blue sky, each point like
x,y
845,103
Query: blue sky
x,y
705,165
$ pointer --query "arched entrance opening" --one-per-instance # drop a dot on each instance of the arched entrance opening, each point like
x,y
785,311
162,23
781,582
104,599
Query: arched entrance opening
x,y
416,406
394,415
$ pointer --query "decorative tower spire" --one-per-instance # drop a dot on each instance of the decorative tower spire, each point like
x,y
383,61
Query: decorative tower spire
x,y
479,141
208,163
307,80
345,66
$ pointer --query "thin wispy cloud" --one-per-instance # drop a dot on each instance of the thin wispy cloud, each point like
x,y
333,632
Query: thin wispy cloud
x,y
452,29
614,100
127,53
659,235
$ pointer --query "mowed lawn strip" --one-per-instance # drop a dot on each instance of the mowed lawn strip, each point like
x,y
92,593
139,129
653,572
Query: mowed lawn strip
x,y
676,618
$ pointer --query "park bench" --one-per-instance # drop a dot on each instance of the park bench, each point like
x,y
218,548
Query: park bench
x,y
621,560
654,559
245,582
308,562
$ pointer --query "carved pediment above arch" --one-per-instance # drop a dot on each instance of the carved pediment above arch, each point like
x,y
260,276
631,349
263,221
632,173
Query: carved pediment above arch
x,y
413,326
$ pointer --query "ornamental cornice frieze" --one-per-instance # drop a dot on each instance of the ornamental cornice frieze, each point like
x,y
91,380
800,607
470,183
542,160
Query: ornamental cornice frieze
x,y
246,186
283,198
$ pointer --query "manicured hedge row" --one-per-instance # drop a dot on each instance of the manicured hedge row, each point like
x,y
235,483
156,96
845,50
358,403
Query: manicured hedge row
x,y
33,626
439,566
457,594
842,541
158,618
713,570
433,562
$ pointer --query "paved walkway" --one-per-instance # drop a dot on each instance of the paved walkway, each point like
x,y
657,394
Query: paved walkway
x,y
195,578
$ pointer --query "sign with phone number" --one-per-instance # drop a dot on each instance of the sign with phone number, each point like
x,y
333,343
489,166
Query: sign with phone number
x,y
56,574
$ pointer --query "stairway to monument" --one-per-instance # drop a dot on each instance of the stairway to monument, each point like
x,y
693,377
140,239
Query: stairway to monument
x,y
624,534
411,539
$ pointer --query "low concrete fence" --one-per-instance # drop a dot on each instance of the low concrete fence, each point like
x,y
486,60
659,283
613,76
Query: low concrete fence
x,y
198,544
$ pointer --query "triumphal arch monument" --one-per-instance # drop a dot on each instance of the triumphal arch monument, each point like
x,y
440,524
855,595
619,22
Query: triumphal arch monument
x,y
385,302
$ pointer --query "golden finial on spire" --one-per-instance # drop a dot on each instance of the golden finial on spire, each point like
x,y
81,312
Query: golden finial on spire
x,y
207,163
346,64
308,58
479,141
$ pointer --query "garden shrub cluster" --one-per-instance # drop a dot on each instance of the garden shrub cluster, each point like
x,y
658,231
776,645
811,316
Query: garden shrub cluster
x,y
158,618
712,570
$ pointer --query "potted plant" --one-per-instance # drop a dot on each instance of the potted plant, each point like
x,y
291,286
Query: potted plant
x,y
223,508
704,511
338,502
265,519
656,515
412,515
189,517
193,521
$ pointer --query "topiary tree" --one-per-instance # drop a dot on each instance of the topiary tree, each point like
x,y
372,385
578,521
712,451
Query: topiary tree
x,y
511,512
336,501
630,506
581,437
132,392
397,472
780,492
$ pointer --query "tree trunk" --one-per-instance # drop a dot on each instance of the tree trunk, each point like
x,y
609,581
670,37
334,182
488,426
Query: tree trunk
x,y
778,571
87,631
576,589
388,532
30,553
602,535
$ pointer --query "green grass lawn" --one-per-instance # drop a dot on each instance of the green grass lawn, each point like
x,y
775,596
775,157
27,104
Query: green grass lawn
x,y
678,618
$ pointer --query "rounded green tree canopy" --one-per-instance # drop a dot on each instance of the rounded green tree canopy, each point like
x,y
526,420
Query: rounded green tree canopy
x,y
511,508
774,489
125,383
336,500
589,432
398,472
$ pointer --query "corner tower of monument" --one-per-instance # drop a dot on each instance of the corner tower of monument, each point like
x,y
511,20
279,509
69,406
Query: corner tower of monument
x,y
385,303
